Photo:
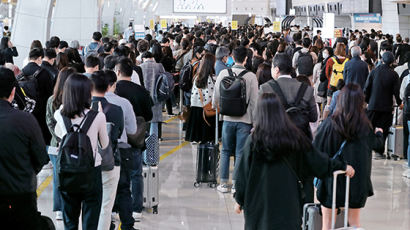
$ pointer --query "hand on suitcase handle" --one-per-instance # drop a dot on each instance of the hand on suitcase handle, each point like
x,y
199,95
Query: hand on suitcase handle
x,y
349,171
378,130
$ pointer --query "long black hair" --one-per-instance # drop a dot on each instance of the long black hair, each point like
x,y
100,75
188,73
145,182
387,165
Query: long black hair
x,y
76,95
4,44
58,88
206,69
275,135
349,118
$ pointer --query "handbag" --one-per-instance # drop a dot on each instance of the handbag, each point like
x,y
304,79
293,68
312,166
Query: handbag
x,y
318,182
137,140
208,111
186,112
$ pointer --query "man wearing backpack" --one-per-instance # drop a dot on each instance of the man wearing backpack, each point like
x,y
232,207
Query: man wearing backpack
x,y
42,88
22,156
298,100
95,47
236,126
110,165
304,60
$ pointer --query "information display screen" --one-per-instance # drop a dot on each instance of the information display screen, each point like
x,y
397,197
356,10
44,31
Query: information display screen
x,y
200,6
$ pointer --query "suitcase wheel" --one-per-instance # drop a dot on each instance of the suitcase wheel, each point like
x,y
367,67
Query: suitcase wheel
x,y
155,209
196,184
212,185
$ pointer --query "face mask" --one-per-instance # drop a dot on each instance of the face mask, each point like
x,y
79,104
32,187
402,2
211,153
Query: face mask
x,y
325,55
230,61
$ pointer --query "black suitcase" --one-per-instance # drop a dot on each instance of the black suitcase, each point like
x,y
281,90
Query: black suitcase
x,y
208,161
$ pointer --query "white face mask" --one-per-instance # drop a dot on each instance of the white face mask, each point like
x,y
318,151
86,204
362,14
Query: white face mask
x,y
325,55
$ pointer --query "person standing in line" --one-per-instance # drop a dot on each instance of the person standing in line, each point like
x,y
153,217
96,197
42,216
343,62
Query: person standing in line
x,y
382,84
222,54
277,157
22,156
53,103
48,63
76,101
356,70
350,131
8,50
235,130
130,208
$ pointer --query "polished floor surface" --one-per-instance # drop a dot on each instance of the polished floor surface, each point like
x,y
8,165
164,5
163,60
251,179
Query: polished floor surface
x,y
182,206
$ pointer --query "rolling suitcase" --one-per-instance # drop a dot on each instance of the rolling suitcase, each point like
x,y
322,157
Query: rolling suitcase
x,y
151,154
150,176
312,215
395,140
207,162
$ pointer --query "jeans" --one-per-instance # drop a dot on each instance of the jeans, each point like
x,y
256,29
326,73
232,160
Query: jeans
x,y
19,211
234,135
123,200
405,135
89,204
187,98
137,184
109,183
56,193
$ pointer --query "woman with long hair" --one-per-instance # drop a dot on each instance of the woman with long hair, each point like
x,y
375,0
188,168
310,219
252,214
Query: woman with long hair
x,y
8,50
348,123
277,158
76,101
264,73
53,103
62,61
199,127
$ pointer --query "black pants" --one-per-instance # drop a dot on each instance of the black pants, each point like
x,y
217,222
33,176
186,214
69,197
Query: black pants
x,y
383,120
19,211
89,204
405,135
123,200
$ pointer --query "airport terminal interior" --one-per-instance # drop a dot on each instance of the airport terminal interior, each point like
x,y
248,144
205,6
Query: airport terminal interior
x,y
183,178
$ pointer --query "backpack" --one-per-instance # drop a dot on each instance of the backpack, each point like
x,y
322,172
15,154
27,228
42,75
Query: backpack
x,y
232,92
305,63
111,152
163,87
29,84
75,159
406,99
337,71
186,76
89,51
295,111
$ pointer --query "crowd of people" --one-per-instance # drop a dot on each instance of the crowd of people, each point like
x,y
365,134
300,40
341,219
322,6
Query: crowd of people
x,y
302,99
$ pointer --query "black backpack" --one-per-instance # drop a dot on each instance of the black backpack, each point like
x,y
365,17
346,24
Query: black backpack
x,y
29,84
75,160
233,94
186,76
406,100
163,87
297,113
305,63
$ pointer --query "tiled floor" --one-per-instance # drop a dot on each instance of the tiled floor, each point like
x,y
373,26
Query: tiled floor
x,y
184,207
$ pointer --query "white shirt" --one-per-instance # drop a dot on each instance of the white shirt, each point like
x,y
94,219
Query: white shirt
x,y
96,133
206,93
135,78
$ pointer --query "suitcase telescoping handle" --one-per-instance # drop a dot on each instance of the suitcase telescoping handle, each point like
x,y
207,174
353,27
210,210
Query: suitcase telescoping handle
x,y
216,126
335,174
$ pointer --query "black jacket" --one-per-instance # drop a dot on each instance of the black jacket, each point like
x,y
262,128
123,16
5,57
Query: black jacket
x,y
382,84
268,192
356,71
9,53
358,154
45,88
22,151
53,71
138,96
401,53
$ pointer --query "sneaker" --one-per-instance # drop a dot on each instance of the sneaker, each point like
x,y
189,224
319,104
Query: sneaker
x,y
223,188
115,216
233,190
406,173
378,156
59,215
137,216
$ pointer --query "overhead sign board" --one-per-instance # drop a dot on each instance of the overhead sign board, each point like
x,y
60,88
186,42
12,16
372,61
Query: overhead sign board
x,y
367,18
234,25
